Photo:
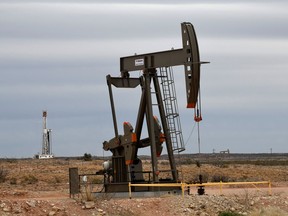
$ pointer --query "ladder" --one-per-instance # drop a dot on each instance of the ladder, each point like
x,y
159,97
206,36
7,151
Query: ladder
x,y
171,108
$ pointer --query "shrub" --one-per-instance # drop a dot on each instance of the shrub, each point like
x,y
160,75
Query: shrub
x,y
87,157
3,175
187,161
96,181
218,178
229,214
11,160
57,179
164,162
195,178
29,179
13,181
269,211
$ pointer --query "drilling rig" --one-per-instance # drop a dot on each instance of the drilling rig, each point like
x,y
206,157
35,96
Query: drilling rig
x,y
125,166
46,139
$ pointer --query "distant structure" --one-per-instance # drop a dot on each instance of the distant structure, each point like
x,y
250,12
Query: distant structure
x,y
225,152
46,140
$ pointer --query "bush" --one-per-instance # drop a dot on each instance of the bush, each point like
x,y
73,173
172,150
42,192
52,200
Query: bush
x,y
87,157
218,178
13,181
3,175
29,179
195,178
97,181
269,211
57,179
229,214
11,160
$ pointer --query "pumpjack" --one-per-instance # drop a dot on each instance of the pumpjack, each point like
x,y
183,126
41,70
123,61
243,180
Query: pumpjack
x,y
125,165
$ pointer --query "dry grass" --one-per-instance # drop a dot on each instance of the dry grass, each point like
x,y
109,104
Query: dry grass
x,y
269,211
237,172
54,172
53,175
44,174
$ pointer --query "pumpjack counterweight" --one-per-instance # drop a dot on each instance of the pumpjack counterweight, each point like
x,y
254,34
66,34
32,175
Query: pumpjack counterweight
x,y
126,166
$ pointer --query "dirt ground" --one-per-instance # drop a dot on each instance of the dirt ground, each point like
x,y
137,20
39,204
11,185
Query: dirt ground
x,y
41,187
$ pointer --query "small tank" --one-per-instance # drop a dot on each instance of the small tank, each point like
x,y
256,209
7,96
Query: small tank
x,y
107,165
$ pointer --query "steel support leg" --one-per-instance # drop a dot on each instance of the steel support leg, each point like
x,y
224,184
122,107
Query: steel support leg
x,y
112,106
150,125
165,128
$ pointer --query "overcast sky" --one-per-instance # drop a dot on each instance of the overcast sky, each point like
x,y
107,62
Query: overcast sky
x,y
55,55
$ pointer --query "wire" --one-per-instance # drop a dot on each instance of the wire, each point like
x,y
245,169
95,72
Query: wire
x,y
198,134
198,124
200,115
190,134
200,104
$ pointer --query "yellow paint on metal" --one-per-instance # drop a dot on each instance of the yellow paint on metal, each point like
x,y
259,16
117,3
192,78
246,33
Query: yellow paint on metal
x,y
184,185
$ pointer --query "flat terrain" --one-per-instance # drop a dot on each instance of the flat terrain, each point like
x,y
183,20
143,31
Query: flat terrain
x,y
41,187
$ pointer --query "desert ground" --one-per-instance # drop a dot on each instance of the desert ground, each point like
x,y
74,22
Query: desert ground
x,y
41,187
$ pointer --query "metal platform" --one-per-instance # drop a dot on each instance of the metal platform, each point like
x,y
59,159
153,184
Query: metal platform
x,y
124,187
139,194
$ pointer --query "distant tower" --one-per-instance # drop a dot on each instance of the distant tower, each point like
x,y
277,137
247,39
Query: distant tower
x,y
46,140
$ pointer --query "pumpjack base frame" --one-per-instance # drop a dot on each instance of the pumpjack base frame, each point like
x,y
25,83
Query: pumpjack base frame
x,y
123,187
142,194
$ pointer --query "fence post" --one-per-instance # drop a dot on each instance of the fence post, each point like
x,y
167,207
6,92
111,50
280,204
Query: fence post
x,y
182,188
270,190
220,187
74,183
129,186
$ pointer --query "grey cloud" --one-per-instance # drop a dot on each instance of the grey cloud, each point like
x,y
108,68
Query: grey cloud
x,y
56,57
137,21
142,2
